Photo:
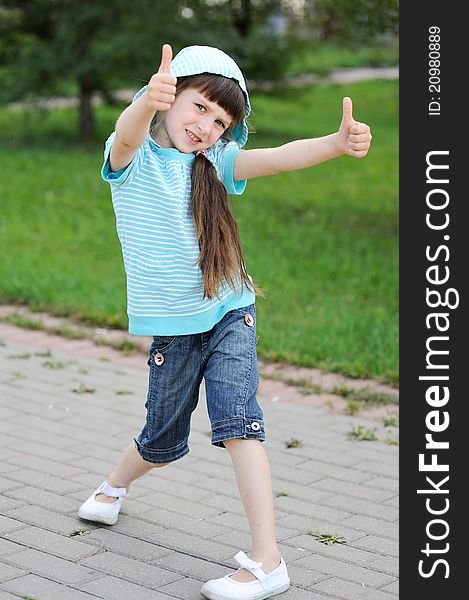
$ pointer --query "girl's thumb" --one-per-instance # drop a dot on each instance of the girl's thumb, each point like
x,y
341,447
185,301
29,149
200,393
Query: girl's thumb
x,y
166,58
347,110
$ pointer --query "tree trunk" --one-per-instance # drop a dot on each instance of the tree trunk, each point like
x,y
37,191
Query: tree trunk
x,y
86,120
241,13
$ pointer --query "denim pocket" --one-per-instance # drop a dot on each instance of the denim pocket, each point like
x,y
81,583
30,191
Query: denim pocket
x,y
163,342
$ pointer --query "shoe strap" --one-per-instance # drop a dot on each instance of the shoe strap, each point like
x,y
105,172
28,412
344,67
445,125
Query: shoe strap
x,y
105,488
254,567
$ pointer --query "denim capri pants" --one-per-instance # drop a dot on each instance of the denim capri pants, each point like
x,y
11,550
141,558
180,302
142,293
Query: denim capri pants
x,y
226,358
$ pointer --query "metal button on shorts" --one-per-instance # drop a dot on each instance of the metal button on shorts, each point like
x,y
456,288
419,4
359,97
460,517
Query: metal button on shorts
x,y
255,426
159,359
249,320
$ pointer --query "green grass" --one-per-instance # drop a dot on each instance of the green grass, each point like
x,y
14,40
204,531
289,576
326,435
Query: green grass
x,y
323,57
321,241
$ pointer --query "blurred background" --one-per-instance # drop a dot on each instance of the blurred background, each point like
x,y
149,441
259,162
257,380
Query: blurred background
x,y
323,242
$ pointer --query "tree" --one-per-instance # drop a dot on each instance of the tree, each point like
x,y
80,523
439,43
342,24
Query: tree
x,y
85,46
81,47
355,22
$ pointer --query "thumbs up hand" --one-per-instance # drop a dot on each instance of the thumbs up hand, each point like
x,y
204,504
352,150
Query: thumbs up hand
x,y
161,91
354,137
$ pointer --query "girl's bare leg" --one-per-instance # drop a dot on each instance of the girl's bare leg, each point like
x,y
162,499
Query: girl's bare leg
x,y
254,481
131,466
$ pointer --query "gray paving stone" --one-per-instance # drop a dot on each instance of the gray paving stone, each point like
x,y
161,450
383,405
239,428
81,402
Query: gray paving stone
x,y
39,497
164,519
44,465
320,511
29,446
372,525
386,564
191,566
8,547
136,528
303,525
113,588
337,551
40,588
295,593
7,504
351,591
384,483
135,571
45,481
180,505
352,489
35,515
7,484
390,470
52,567
126,545
51,543
187,589
343,570
326,470
392,588
378,544
7,525
193,545
363,507
177,489
7,596
341,459
8,572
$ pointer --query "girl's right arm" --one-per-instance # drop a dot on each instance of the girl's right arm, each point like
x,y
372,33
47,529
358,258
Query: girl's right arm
x,y
134,123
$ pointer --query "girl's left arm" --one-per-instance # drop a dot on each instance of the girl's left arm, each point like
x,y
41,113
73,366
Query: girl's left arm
x,y
353,139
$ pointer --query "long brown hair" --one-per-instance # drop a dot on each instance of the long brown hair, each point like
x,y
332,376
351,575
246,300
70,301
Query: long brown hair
x,y
221,254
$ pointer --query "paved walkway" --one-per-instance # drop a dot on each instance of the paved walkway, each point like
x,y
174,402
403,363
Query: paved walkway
x,y
348,75
65,419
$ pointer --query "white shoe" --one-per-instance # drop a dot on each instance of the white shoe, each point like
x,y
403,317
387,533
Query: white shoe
x,y
226,588
103,512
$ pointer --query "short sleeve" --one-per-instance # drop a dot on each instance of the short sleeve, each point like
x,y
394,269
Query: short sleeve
x,y
119,177
223,155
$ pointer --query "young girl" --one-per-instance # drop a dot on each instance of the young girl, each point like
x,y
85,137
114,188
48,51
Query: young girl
x,y
174,156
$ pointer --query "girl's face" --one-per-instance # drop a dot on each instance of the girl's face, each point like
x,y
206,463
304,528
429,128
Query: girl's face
x,y
192,123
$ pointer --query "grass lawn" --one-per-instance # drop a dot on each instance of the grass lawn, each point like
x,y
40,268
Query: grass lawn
x,y
321,241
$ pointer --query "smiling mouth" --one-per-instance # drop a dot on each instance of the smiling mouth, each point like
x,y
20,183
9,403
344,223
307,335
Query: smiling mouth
x,y
194,139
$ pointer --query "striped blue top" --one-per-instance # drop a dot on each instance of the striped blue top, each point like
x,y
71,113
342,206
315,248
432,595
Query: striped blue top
x,y
151,200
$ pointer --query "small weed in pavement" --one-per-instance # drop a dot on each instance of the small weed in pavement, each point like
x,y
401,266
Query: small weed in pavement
x,y
44,354
69,332
83,389
123,392
280,494
21,321
362,433
327,538
53,364
293,443
17,375
391,422
23,355
79,532
353,406
391,441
